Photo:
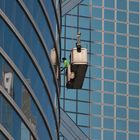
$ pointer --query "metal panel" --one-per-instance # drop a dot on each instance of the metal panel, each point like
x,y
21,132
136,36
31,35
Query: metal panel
x,y
68,5
69,129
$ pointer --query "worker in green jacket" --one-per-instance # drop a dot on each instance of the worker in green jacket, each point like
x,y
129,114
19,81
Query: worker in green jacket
x,y
65,63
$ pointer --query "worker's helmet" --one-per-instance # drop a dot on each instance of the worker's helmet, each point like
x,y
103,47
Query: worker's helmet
x,y
63,58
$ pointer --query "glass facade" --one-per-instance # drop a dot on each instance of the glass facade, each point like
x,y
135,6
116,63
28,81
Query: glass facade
x,y
29,83
107,106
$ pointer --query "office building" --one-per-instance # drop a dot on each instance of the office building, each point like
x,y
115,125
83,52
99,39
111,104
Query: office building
x,y
107,106
29,79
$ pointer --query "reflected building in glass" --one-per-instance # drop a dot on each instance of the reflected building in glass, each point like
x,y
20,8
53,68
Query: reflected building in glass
x,y
29,76
107,106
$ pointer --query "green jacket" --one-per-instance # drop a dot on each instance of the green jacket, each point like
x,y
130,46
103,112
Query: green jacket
x,y
66,63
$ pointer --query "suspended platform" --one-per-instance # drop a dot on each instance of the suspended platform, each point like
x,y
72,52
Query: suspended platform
x,y
77,69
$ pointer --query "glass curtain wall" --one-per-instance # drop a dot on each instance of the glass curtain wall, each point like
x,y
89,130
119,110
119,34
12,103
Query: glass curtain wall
x,y
107,106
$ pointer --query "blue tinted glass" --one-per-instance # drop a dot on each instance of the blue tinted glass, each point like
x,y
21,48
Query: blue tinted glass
x,y
121,52
133,65
133,54
97,2
96,24
133,18
121,112
121,4
96,121
96,134
133,126
97,12
109,98
83,120
96,48
134,102
120,136
121,28
133,77
83,22
108,38
96,60
96,85
133,114
134,42
108,14
108,123
121,76
133,90
109,86
121,88
121,64
133,6
96,97
96,36
96,72
109,111
109,3
84,10
108,26
83,107
72,21
121,40
108,62
121,125
108,135
96,109
109,50
121,16
70,105
133,137
121,100
134,30
108,74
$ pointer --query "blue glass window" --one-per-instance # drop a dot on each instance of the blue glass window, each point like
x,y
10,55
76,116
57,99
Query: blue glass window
x,y
133,126
96,24
134,42
134,102
108,74
108,38
83,107
133,6
96,134
121,112
133,90
108,111
96,84
108,14
133,18
96,36
133,114
121,4
70,105
109,86
97,2
134,29
121,64
121,76
120,136
108,123
96,48
83,120
133,77
133,137
109,3
121,100
108,135
108,98
121,16
134,54
121,40
121,88
95,121
121,52
96,72
96,109
121,28
108,62
109,26
72,21
84,10
96,60
83,22
121,125
96,96
97,12
109,50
